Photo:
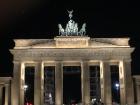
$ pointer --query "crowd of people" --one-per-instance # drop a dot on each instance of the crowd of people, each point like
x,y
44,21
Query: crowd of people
x,y
96,102
93,102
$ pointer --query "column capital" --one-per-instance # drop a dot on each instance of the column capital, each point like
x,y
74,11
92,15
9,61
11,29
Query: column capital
x,y
38,61
137,82
107,61
84,61
57,61
7,84
16,62
31,63
1,85
125,60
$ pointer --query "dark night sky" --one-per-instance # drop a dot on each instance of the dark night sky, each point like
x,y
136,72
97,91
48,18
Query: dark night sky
x,y
39,19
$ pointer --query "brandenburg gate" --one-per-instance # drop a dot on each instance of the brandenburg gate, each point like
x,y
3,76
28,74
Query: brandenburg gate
x,y
72,48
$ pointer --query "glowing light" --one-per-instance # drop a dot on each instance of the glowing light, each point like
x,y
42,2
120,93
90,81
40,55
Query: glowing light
x,y
50,95
25,87
94,99
117,85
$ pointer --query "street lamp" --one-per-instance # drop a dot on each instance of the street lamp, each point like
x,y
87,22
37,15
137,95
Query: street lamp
x,y
50,98
117,86
25,87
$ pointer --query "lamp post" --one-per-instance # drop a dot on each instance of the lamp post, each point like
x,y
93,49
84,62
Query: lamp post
x,y
117,85
25,89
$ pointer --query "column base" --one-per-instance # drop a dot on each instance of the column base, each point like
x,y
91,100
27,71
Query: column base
x,y
86,103
108,104
138,104
132,104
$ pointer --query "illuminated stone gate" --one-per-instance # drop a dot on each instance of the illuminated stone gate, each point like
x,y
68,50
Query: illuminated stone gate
x,y
72,48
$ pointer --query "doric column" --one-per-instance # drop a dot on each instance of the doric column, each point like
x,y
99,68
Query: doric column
x,y
1,91
126,85
85,86
58,83
22,80
105,80
39,84
7,94
138,92
17,92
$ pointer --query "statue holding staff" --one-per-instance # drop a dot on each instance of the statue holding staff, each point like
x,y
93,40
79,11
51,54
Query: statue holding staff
x,y
70,14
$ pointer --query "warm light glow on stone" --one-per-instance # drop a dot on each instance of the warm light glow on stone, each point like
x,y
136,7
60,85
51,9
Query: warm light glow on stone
x,y
101,69
72,42
121,69
22,71
80,51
